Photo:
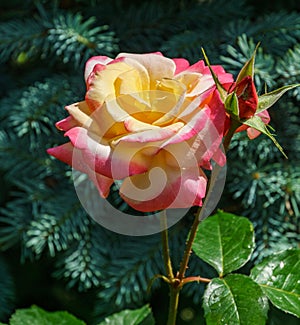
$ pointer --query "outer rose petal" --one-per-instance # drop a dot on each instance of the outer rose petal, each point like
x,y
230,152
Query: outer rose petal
x,y
152,134
122,161
222,75
80,112
63,152
158,66
181,189
102,183
79,116
101,83
66,154
66,124
181,65
89,66
198,86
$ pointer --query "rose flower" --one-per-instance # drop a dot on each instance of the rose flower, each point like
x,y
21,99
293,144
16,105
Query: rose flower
x,y
151,122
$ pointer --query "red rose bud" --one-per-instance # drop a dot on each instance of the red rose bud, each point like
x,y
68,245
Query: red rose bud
x,y
247,97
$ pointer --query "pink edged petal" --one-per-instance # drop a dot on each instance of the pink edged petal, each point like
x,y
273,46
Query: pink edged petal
x,y
131,158
133,125
66,124
207,123
192,190
181,65
226,79
200,138
217,112
79,115
197,85
219,157
96,70
123,55
222,75
80,112
117,163
212,134
100,83
191,128
69,155
197,67
95,154
157,65
189,108
63,152
202,68
103,184
205,83
152,135
166,189
89,66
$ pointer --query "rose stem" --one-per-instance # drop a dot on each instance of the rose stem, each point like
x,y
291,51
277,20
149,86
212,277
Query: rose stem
x,y
165,245
173,305
173,285
188,247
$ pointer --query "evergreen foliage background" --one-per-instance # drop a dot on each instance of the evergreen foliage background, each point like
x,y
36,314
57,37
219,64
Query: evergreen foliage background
x,y
52,253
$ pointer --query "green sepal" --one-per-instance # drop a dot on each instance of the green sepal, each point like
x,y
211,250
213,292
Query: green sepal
x,y
257,123
248,68
232,105
221,90
265,101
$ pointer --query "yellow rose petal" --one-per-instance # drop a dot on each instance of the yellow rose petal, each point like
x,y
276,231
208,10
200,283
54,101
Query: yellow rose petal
x,y
102,86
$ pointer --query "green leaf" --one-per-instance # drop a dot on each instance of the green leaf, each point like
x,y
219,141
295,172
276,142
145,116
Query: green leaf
x,y
279,277
235,299
232,105
267,100
248,68
257,123
38,316
132,317
225,241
